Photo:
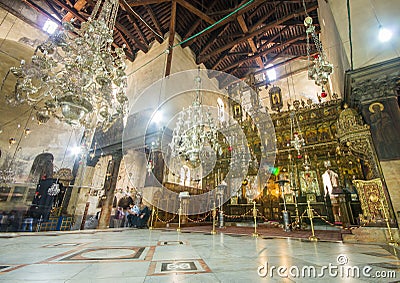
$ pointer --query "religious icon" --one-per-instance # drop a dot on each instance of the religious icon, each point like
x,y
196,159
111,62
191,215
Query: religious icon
x,y
309,182
275,97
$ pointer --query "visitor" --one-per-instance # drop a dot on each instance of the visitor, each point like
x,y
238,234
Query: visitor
x,y
118,217
132,213
140,221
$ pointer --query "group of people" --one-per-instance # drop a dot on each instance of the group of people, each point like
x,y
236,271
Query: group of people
x,y
136,216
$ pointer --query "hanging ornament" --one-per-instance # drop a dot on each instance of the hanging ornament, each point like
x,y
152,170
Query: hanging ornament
x,y
323,93
53,190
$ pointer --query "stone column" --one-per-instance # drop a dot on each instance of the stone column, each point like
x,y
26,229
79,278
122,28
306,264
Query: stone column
x,y
110,183
373,91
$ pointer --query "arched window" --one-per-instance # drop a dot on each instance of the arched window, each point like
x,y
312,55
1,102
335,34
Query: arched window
x,y
221,110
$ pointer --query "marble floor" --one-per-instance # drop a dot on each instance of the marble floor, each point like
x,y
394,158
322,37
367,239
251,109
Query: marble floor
x,y
132,255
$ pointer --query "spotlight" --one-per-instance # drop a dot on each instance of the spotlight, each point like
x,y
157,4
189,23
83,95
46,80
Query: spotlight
x,y
384,34
76,150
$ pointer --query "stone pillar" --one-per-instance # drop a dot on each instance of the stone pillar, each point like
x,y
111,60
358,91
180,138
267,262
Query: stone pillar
x,y
110,183
79,194
373,91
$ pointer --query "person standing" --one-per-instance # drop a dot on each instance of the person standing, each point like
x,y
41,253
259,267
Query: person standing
x,y
119,215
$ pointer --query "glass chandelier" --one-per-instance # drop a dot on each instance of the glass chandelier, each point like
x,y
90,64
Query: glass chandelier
x,y
195,130
76,73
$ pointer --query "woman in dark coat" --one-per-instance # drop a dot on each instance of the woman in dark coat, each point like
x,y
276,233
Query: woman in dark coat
x,y
140,221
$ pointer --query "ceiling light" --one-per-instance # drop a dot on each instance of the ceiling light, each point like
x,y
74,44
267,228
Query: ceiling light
x,y
50,26
157,117
384,34
271,73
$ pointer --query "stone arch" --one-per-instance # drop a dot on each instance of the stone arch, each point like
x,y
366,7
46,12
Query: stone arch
x,y
42,167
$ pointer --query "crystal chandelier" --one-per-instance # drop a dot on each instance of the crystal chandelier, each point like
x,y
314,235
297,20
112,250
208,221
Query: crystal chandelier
x,y
75,73
319,69
7,176
195,130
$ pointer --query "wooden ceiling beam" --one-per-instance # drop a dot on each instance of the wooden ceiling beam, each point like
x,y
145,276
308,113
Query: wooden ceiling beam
x,y
57,13
229,19
220,59
139,44
128,44
197,23
196,11
70,10
250,41
272,39
256,32
124,5
212,39
78,6
265,17
146,2
171,38
155,22
135,24
42,11
264,52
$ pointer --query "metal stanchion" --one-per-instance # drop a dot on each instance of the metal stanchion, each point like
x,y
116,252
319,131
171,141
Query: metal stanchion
x,y
152,219
179,215
255,234
310,213
285,213
391,241
214,214
296,208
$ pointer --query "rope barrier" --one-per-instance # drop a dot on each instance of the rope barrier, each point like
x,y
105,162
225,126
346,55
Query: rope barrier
x,y
198,220
345,228
165,221
238,216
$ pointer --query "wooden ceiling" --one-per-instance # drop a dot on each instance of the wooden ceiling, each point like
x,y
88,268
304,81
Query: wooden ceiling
x,y
259,33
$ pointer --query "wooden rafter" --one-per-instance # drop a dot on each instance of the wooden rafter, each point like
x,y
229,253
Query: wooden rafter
x,y
130,11
155,22
229,19
146,2
212,39
195,11
78,6
128,44
265,17
139,44
54,10
250,41
220,59
266,51
264,29
41,10
272,39
171,38
197,23
135,24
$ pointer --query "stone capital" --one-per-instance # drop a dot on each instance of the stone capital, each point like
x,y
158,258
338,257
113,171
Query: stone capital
x,y
372,83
